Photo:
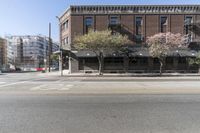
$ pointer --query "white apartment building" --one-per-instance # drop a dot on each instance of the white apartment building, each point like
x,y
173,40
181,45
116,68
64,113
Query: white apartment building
x,y
28,52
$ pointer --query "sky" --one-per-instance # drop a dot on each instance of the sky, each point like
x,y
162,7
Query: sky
x,y
32,17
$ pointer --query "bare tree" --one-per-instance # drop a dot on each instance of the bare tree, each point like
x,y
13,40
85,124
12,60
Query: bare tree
x,y
159,44
99,41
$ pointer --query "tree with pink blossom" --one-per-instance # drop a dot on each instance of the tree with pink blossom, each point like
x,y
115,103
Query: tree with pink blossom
x,y
160,44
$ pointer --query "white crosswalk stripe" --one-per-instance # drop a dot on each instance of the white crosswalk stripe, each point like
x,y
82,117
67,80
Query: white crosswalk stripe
x,y
11,84
52,87
2,82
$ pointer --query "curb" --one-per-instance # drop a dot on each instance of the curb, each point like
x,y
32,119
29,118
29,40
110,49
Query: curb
x,y
149,75
134,75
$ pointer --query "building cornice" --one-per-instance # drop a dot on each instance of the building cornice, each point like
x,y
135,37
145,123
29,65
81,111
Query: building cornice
x,y
133,9
68,11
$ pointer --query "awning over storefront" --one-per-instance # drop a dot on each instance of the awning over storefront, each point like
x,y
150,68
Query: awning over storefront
x,y
139,52
143,52
84,53
64,51
92,54
182,53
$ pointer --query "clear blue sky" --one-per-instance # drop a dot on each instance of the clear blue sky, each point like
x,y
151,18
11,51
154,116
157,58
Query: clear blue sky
x,y
22,17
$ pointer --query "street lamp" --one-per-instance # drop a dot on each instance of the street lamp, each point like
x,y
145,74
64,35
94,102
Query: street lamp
x,y
60,51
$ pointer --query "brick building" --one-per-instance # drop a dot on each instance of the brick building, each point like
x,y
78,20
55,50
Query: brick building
x,y
136,21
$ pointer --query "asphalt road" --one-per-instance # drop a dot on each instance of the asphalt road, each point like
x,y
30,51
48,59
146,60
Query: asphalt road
x,y
35,103
25,113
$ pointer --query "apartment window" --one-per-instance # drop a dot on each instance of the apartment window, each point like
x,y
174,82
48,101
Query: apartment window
x,y
163,24
188,21
65,25
66,41
138,25
61,27
88,24
114,24
138,36
114,20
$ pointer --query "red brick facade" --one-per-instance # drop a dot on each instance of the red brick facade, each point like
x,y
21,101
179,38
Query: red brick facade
x,y
150,25
150,22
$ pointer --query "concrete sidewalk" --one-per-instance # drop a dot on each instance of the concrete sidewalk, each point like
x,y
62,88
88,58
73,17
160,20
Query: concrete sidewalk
x,y
125,75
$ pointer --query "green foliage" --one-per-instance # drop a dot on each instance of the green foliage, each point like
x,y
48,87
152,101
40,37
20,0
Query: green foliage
x,y
55,57
99,41
194,61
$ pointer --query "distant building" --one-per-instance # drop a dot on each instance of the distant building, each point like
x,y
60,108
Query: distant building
x,y
29,52
3,53
138,22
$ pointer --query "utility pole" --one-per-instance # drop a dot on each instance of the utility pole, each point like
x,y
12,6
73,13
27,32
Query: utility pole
x,y
50,47
60,48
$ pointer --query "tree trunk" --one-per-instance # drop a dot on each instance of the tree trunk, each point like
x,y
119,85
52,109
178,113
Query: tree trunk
x,y
161,67
100,65
198,68
100,59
